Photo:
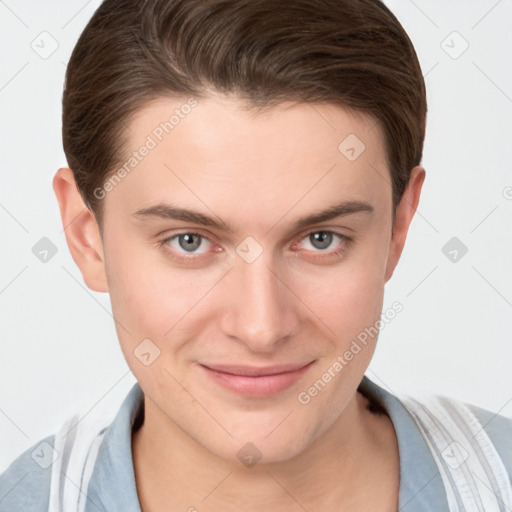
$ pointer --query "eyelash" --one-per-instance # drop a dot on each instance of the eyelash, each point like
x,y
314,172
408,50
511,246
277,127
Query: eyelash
x,y
344,242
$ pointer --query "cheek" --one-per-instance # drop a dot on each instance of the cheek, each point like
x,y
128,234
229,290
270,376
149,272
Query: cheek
x,y
347,307
153,300
349,297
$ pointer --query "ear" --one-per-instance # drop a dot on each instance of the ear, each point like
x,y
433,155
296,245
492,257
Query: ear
x,y
81,230
404,213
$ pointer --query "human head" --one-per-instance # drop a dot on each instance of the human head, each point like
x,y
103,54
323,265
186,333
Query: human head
x,y
256,150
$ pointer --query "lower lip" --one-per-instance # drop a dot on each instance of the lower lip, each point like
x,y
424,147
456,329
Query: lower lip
x,y
261,386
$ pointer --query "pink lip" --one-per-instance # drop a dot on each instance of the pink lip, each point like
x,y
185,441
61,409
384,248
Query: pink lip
x,y
252,381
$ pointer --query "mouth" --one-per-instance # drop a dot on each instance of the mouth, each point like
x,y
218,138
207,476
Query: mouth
x,y
251,381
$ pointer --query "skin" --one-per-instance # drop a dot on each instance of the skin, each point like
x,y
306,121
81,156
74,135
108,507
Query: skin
x,y
297,302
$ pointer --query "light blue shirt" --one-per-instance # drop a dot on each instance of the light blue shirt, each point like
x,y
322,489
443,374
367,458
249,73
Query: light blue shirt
x,y
25,486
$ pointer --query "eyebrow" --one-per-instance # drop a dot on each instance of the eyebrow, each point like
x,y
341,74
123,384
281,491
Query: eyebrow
x,y
169,211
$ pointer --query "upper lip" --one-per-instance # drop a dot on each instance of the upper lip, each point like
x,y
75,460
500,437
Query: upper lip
x,y
253,371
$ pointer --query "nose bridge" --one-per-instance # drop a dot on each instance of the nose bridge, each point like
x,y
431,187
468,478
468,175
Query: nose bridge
x,y
260,306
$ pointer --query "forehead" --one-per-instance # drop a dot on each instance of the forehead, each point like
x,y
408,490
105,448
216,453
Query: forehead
x,y
203,151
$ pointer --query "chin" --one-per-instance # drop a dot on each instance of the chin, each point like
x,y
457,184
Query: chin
x,y
252,448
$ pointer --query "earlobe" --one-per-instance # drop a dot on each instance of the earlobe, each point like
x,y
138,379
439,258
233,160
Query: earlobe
x,y
404,214
81,231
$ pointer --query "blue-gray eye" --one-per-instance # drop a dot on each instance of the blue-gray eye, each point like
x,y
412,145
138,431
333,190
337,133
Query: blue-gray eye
x,y
189,241
321,239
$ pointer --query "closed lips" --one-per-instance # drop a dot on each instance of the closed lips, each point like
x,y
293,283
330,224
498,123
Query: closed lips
x,y
251,371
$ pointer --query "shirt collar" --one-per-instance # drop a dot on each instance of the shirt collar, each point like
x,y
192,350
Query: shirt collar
x,y
112,485
421,485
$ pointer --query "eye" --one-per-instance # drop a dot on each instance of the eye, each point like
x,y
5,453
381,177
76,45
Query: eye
x,y
185,243
323,239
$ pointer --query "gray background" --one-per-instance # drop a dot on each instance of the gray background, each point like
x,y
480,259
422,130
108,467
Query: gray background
x,y
60,353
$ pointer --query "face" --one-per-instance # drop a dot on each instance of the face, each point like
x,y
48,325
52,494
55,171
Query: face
x,y
232,296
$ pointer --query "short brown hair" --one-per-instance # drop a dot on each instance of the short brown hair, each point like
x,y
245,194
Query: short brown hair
x,y
349,52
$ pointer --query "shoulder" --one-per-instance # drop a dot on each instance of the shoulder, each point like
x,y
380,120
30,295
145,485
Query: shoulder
x,y
25,484
499,429
466,428
468,449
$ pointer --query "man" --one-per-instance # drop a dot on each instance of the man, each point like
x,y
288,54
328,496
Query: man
x,y
242,176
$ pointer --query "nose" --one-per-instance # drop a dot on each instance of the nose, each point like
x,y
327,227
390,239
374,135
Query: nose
x,y
261,307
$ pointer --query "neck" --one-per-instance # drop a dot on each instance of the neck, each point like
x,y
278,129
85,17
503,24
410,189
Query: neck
x,y
345,463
